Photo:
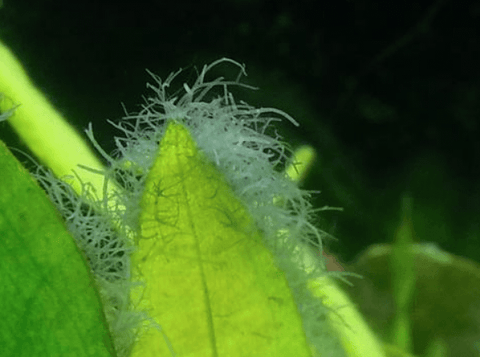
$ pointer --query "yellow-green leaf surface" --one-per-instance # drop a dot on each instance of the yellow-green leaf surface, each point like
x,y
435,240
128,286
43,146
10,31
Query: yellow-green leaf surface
x,y
49,305
208,279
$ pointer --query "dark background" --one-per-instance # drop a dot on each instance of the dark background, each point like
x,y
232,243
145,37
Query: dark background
x,y
388,93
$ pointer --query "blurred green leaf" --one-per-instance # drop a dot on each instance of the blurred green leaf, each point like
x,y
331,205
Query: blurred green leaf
x,y
446,302
402,263
50,305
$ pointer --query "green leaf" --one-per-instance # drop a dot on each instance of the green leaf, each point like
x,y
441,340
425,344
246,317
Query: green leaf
x,y
50,305
209,280
403,278
445,301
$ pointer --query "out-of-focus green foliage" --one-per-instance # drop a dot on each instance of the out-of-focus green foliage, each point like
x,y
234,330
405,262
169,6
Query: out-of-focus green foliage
x,y
446,302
